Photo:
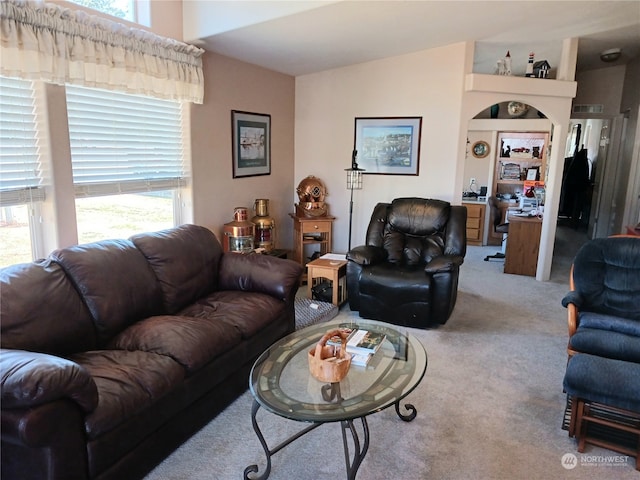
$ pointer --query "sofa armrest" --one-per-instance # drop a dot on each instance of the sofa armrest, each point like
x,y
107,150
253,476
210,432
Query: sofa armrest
x,y
274,276
443,263
29,379
367,255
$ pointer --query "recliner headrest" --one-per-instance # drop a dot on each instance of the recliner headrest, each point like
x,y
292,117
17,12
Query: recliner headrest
x,y
418,216
606,272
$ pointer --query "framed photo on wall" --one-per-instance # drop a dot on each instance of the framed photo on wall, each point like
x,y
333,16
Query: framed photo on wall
x,y
251,137
388,145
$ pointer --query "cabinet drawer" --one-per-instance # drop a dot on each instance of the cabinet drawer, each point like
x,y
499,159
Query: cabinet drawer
x,y
313,227
474,235
474,211
473,222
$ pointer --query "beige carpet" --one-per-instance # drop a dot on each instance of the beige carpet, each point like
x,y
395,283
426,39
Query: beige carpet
x,y
490,406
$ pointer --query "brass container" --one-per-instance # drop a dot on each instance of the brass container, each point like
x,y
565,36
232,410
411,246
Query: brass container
x,y
265,225
239,234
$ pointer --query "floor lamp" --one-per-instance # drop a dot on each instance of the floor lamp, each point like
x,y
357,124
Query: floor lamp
x,y
354,182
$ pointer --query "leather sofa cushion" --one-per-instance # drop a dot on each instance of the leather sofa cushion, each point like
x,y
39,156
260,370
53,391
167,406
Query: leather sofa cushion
x,y
128,382
190,341
116,282
185,260
42,311
396,284
29,379
238,309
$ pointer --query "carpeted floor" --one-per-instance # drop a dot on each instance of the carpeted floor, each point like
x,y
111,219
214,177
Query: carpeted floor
x,y
490,406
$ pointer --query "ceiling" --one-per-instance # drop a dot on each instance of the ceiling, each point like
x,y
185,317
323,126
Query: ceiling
x,y
301,37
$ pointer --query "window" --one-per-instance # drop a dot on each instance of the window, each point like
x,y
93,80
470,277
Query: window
x,y
127,160
20,180
124,9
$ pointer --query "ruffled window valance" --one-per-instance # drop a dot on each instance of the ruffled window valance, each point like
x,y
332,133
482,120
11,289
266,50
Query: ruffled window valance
x,y
55,44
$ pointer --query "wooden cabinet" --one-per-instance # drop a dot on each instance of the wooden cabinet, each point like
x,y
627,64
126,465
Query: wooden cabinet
x,y
523,244
475,222
311,231
520,156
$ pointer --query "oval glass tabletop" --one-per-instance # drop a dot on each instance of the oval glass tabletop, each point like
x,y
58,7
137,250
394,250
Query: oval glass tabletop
x,y
281,382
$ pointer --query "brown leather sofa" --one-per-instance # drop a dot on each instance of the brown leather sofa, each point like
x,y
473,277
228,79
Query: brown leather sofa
x,y
407,271
115,352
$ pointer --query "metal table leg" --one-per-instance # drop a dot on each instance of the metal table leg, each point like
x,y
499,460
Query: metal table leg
x,y
410,416
359,452
269,453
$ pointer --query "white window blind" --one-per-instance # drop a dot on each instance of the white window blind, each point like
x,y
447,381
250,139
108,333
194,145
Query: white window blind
x,y
123,143
20,180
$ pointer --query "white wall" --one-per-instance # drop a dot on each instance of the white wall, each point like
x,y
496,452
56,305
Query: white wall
x,y
428,83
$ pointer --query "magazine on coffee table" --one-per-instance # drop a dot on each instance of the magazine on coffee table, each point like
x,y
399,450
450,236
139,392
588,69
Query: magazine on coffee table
x,y
365,342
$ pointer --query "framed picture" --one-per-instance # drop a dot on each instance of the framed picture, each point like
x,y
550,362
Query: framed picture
x,y
251,133
388,145
533,173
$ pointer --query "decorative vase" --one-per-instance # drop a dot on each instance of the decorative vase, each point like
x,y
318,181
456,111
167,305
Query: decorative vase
x,y
517,109
495,109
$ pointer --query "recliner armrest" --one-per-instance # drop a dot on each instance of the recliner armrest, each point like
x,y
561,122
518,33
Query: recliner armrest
x,y
29,379
367,255
573,298
443,263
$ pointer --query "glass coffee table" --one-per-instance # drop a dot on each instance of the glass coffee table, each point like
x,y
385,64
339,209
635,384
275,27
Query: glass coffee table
x,y
281,383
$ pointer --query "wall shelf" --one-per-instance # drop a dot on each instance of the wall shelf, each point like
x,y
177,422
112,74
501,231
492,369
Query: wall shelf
x,y
477,82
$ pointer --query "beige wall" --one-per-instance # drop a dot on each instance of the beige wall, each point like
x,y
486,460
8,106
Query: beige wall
x,y
427,84
234,85
602,86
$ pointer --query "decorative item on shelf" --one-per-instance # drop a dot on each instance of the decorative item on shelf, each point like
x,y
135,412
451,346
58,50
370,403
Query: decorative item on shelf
x,y
517,109
504,65
495,110
541,69
311,192
529,71
354,182
330,363
265,225
480,149
240,233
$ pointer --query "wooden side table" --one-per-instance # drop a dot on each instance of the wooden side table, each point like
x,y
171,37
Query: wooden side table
x,y
332,270
311,231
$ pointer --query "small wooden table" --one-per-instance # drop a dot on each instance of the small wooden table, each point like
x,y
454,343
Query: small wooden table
x,y
333,270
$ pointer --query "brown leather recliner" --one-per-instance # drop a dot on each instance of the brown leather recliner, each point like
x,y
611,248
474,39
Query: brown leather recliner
x,y
407,273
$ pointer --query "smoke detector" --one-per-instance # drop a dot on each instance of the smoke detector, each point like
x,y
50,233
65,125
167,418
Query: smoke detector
x,y
610,55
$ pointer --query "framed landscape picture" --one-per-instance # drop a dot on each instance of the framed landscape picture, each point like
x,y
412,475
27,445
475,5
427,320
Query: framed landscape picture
x,y
251,133
388,145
